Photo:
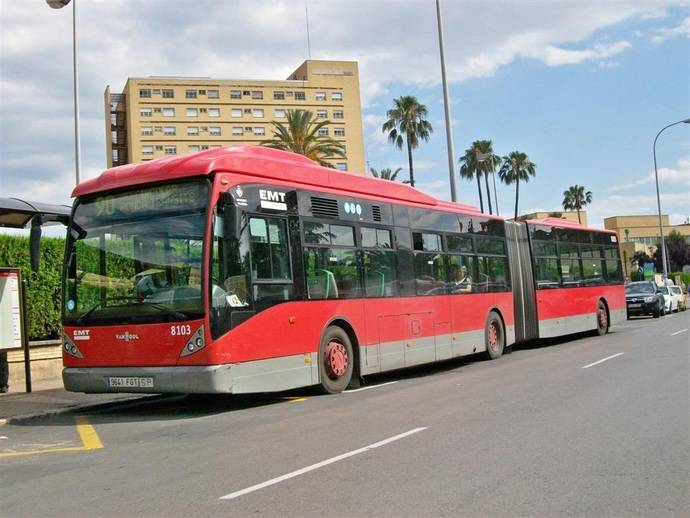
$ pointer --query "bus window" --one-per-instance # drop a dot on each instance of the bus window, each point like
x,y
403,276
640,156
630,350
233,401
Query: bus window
x,y
571,274
592,265
269,248
546,273
380,265
462,270
331,273
614,272
430,273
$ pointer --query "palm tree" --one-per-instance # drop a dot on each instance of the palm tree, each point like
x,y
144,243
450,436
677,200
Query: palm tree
x,y
469,170
301,135
487,162
386,174
407,117
576,198
516,167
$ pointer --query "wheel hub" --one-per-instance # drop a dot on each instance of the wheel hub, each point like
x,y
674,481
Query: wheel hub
x,y
603,321
493,336
336,359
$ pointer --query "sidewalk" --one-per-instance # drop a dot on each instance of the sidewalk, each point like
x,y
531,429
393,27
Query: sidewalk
x,y
47,400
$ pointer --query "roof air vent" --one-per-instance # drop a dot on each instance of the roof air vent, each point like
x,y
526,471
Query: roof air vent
x,y
376,212
324,207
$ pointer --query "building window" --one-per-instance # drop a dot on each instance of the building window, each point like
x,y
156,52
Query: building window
x,y
170,150
257,94
190,94
258,113
213,94
236,112
204,147
192,131
299,96
339,132
279,95
321,114
147,150
146,131
169,130
192,149
145,112
213,112
237,130
323,132
279,113
341,166
168,93
145,93
192,112
168,112
338,114
214,131
320,96
336,96
235,94
259,131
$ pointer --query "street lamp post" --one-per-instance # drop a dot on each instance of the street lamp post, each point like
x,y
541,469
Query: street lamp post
x,y
59,4
658,198
446,105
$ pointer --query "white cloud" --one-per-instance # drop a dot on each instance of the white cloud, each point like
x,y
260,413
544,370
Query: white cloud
x,y
682,29
680,176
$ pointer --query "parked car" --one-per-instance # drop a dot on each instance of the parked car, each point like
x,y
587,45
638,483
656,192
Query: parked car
x,y
682,298
670,299
642,298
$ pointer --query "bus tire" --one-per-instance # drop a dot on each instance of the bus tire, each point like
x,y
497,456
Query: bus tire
x,y
336,360
494,336
602,319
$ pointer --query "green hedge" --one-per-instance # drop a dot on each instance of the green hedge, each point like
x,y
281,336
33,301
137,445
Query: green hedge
x,y
685,277
43,293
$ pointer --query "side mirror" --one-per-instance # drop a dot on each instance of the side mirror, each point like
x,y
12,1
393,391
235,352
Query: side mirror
x,y
232,217
35,243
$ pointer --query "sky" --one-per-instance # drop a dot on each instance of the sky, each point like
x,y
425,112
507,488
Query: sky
x,y
581,87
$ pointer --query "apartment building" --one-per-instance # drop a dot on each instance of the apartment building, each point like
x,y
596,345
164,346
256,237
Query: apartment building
x,y
158,116
644,229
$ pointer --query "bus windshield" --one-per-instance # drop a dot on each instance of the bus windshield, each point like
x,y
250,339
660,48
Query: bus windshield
x,y
137,256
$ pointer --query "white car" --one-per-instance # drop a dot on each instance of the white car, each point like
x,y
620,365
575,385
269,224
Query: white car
x,y
670,299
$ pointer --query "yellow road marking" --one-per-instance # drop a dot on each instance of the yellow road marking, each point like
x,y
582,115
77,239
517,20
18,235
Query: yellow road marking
x,y
87,433
294,399
89,437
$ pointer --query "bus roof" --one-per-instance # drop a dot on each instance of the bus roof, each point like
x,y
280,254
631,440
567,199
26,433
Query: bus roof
x,y
565,223
263,162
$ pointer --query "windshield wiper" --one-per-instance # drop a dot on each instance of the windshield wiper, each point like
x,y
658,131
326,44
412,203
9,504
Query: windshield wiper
x,y
178,315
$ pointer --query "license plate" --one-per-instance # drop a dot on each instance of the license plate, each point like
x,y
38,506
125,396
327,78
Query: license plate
x,y
129,382
634,305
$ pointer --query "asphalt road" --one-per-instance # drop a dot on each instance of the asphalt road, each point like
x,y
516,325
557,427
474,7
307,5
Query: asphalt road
x,y
549,430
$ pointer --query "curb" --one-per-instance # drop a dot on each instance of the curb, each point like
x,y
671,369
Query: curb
x,y
86,407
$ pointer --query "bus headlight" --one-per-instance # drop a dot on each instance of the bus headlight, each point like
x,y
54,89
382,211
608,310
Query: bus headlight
x,y
195,343
70,348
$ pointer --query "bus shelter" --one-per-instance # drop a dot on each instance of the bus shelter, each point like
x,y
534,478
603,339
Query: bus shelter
x,y
22,214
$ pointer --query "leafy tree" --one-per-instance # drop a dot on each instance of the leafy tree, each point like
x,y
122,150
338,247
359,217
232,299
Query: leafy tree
x,y
385,174
575,198
469,170
677,251
301,135
487,162
516,167
408,118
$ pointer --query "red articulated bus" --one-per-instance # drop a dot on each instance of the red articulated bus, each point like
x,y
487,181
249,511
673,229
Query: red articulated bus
x,y
248,269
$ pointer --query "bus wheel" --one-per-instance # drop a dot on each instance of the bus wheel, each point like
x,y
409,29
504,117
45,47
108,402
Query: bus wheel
x,y
336,360
602,319
494,336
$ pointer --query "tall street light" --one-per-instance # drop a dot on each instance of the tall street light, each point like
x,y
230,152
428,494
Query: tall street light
x,y
59,4
446,105
658,198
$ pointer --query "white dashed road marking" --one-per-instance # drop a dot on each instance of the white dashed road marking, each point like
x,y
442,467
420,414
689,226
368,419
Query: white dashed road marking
x,y
602,360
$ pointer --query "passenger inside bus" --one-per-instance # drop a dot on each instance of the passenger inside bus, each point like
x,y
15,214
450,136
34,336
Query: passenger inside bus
x,y
463,282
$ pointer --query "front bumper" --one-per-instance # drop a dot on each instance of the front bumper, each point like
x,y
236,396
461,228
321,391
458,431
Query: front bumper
x,y
641,308
176,380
